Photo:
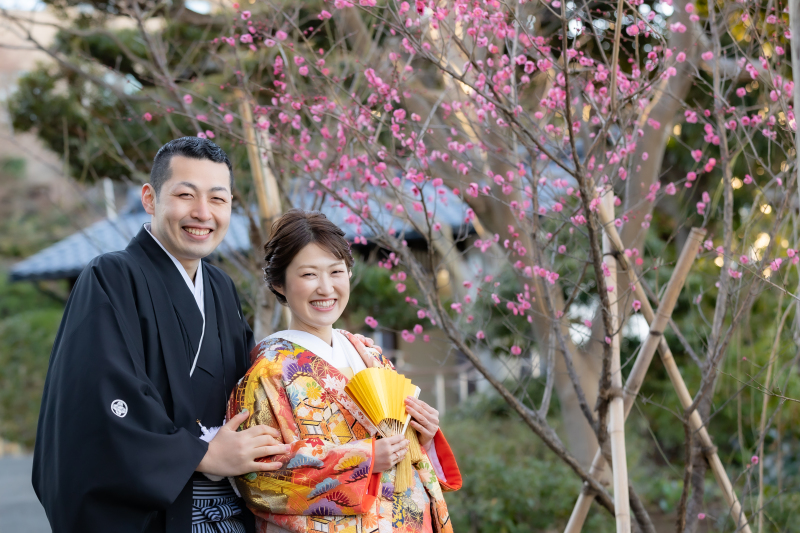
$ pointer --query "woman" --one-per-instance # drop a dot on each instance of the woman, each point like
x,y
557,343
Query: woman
x,y
337,476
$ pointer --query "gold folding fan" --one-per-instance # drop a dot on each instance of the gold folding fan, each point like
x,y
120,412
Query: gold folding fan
x,y
381,394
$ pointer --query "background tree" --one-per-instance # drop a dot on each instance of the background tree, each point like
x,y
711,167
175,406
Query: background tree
x,y
525,112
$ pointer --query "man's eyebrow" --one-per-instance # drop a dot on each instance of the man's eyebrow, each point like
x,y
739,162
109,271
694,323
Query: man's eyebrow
x,y
194,187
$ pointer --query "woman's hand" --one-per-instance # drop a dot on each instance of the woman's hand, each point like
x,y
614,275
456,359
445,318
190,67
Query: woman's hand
x,y
424,418
389,452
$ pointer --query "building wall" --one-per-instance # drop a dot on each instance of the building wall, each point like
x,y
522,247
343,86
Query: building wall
x,y
44,176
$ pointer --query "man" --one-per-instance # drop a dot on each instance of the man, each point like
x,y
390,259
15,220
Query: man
x,y
151,344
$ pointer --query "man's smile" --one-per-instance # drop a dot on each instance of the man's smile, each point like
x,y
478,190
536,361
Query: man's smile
x,y
198,232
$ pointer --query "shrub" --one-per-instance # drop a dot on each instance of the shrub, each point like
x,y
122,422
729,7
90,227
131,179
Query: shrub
x,y
512,483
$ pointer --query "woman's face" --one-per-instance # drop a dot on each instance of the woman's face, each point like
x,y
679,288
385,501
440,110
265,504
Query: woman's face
x,y
317,289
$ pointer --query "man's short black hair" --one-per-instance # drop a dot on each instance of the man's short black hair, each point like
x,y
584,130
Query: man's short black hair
x,y
191,147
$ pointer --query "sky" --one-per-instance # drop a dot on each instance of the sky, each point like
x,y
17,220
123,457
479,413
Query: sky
x,y
199,6
22,5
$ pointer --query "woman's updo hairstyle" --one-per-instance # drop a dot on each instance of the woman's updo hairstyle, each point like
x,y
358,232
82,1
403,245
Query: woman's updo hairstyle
x,y
293,231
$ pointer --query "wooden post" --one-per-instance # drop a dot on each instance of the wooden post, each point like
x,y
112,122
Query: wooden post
x,y
463,386
642,363
695,422
794,25
616,421
259,153
440,392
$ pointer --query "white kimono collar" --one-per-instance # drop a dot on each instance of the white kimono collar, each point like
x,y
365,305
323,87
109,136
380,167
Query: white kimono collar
x,y
342,349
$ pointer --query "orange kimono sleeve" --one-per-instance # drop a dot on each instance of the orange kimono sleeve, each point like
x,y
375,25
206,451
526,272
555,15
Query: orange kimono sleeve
x,y
447,461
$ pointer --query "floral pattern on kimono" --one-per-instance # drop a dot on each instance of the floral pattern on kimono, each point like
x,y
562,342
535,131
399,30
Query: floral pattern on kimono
x,y
327,481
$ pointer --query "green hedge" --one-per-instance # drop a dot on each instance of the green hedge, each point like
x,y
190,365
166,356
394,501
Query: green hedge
x,y
512,482
29,321
26,340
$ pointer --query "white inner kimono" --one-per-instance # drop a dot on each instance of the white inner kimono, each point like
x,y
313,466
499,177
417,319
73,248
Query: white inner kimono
x,y
342,355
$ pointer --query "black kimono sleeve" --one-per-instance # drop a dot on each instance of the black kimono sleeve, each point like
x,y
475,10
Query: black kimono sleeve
x,y
108,457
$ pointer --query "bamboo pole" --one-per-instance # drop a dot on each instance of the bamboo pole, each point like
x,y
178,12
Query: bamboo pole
x,y
794,25
695,422
762,426
259,151
616,423
642,363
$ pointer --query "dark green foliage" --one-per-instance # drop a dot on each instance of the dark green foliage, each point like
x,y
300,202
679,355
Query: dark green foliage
x,y
512,483
29,317
782,511
373,293
28,324
75,119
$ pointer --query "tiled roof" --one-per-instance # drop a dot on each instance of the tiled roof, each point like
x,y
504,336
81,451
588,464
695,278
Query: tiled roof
x,y
68,257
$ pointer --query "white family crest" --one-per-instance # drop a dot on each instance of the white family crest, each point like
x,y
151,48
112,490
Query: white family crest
x,y
119,408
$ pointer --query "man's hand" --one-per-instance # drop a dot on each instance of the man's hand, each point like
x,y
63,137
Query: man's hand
x,y
360,343
369,342
389,452
233,453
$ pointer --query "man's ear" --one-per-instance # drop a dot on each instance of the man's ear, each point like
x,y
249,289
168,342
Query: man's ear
x,y
149,199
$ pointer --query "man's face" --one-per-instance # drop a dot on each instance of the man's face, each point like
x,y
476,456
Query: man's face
x,y
193,209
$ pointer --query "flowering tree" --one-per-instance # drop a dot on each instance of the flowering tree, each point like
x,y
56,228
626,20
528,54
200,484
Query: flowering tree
x,y
525,114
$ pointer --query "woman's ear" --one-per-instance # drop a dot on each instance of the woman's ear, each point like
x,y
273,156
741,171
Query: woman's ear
x,y
278,289
350,273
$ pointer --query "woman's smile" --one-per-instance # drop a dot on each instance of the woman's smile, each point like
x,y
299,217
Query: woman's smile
x,y
323,305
